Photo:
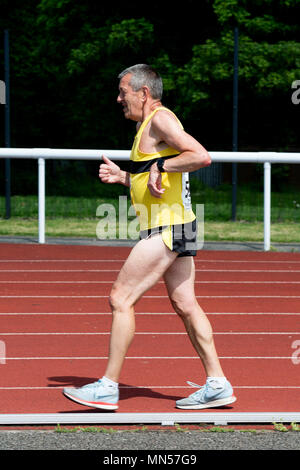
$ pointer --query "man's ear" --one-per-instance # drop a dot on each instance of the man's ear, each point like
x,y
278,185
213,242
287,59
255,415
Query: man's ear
x,y
145,92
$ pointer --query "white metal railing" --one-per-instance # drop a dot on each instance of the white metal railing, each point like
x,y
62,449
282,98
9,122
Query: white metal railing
x,y
42,154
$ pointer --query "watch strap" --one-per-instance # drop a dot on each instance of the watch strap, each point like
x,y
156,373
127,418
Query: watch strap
x,y
160,164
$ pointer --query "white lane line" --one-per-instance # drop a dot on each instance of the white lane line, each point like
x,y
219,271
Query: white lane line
x,y
124,259
64,358
144,313
149,296
249,270
54,387
117,270
149,333
159,282
62,260
60,270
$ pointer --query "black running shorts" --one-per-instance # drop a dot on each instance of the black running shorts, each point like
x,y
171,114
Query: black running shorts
x,y
184,237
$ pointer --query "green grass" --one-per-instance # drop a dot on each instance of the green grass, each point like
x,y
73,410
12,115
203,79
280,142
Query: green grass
x,y
76,216
217,203
285,206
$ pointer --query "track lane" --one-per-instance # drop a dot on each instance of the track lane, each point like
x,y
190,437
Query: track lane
x,y
51,372
214,304
133,400
166,382
73,346
79,252
55,276
169,322
11,290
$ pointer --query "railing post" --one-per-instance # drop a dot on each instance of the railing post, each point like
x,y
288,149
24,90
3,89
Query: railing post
x,y
267,206
41,199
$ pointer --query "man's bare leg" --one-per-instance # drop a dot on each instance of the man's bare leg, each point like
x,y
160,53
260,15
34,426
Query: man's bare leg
x,y
146,264
179,280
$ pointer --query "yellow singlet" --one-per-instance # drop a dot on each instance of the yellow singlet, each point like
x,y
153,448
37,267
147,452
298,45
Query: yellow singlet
x,y
174,207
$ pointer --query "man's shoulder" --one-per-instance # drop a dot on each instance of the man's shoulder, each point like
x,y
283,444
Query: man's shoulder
x,y
165,118
163,115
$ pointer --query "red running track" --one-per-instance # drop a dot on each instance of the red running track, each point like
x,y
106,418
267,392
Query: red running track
x,y
55,323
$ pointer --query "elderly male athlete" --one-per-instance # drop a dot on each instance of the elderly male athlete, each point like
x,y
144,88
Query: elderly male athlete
x,y
162,155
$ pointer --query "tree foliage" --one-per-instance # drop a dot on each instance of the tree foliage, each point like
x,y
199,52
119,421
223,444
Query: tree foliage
x,y
66,55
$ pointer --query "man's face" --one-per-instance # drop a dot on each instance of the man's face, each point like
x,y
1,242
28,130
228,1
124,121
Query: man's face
x,y
131,101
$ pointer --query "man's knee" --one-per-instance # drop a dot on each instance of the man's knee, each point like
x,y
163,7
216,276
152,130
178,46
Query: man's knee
x,y
184,306
115,300
118,301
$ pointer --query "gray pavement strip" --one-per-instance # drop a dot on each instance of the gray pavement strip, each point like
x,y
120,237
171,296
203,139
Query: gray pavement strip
x,y
149,440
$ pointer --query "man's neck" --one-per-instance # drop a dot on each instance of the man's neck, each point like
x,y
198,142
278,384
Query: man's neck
x,y
149,107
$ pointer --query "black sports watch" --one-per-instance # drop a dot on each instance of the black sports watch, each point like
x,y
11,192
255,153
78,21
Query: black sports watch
x,y
160,164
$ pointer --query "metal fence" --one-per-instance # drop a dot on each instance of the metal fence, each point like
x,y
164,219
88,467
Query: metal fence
x,y
267,159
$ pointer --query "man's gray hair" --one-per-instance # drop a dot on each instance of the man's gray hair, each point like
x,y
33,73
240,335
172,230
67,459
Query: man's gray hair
x,y
144,75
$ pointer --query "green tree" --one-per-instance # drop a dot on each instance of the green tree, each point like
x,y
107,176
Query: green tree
x,y
269,61
66,55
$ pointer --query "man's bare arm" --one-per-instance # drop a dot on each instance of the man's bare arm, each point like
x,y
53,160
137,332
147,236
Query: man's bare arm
x,y
192,154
